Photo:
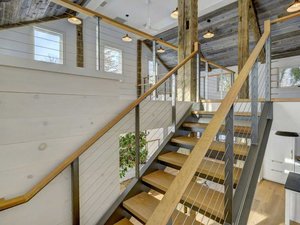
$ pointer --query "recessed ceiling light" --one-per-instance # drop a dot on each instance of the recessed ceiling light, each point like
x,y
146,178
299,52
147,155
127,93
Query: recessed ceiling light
x,y
175,13
126,38
294,7
161,50
208,34
74,20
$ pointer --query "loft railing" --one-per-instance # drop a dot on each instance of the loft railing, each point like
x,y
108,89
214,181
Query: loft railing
x,y
223,205
131,119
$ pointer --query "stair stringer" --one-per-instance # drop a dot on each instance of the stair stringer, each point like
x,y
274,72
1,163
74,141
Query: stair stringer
x,y
245,191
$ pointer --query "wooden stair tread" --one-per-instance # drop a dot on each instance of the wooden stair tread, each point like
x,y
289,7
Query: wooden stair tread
x,y
239,149
237,128
124,221
142,206
211,168
209,201
197,112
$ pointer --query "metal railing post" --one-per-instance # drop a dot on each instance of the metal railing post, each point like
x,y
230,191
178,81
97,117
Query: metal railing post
x,y
99,42
75,192
268,70
206,81
229,157
174,96
254,104
137,141
154,65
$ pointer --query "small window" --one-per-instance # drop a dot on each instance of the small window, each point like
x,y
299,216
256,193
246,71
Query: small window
x,y
48,46
112,60
290,77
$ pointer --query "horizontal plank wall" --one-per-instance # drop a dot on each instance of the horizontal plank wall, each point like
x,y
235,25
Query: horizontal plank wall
x,y
48,110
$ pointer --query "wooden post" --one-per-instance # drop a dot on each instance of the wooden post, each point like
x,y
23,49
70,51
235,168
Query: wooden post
x,y
243,42
79,41
187,36
139,69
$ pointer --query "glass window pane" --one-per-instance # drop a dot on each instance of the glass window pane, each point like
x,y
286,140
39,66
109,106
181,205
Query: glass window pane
x,y
112,60
290,77
48,46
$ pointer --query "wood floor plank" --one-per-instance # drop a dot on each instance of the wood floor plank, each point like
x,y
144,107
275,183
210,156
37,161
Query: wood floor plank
x,y
210,169
239,149
209,201
237,129
142,205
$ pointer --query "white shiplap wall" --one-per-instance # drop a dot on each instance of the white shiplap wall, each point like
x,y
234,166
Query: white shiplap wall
x,y
48,110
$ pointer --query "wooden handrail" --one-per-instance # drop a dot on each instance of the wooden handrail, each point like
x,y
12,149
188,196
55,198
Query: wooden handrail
x,y
8,203
285,18
172,197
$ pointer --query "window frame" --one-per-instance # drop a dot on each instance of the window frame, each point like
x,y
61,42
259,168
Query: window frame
x,y
122,60
62,44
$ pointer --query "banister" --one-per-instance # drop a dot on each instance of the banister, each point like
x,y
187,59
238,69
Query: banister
x,y
8,203
172,197
285,18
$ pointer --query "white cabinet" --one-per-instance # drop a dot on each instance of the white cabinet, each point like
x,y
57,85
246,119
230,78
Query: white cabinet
x,y
279,158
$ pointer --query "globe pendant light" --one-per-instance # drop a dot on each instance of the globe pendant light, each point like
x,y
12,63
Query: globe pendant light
x,y
161,50
174,14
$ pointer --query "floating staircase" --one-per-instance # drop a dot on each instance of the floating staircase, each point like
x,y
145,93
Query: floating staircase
x,y
139,203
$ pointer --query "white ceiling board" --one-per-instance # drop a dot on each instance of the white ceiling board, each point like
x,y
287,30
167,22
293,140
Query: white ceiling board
x,y
159,11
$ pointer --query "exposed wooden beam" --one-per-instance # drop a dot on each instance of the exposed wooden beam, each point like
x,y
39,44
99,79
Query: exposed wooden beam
x,y
243,42
187,36
255,27
26,23
79,47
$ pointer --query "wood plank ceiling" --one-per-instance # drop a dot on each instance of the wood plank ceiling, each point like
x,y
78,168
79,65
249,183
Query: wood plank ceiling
x,y
18,12
223,48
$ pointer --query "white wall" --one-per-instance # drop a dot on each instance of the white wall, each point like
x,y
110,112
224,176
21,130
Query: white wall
x,y
49,110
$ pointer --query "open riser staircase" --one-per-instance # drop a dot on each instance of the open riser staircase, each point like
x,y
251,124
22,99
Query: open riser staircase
x,y
205,193
206,168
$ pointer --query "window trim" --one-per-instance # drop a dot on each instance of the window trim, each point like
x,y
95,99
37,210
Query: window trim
x,y
50,31
122,60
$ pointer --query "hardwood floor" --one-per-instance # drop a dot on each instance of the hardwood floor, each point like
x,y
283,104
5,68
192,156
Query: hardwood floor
x,y
268,205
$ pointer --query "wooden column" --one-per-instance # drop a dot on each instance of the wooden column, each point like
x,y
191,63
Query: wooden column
x,y
139,69
79,42
187,36
243,42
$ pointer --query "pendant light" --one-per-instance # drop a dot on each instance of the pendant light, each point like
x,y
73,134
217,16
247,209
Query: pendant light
x,y
174,14
126,38
294,7
74,20
161,50
208,34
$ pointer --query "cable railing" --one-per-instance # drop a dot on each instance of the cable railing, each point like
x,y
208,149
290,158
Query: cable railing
x,y
180,188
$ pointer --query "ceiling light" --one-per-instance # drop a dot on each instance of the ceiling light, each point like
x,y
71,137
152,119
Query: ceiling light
x,y
74,20
294,7
126,38
208,35
174,14
161,50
